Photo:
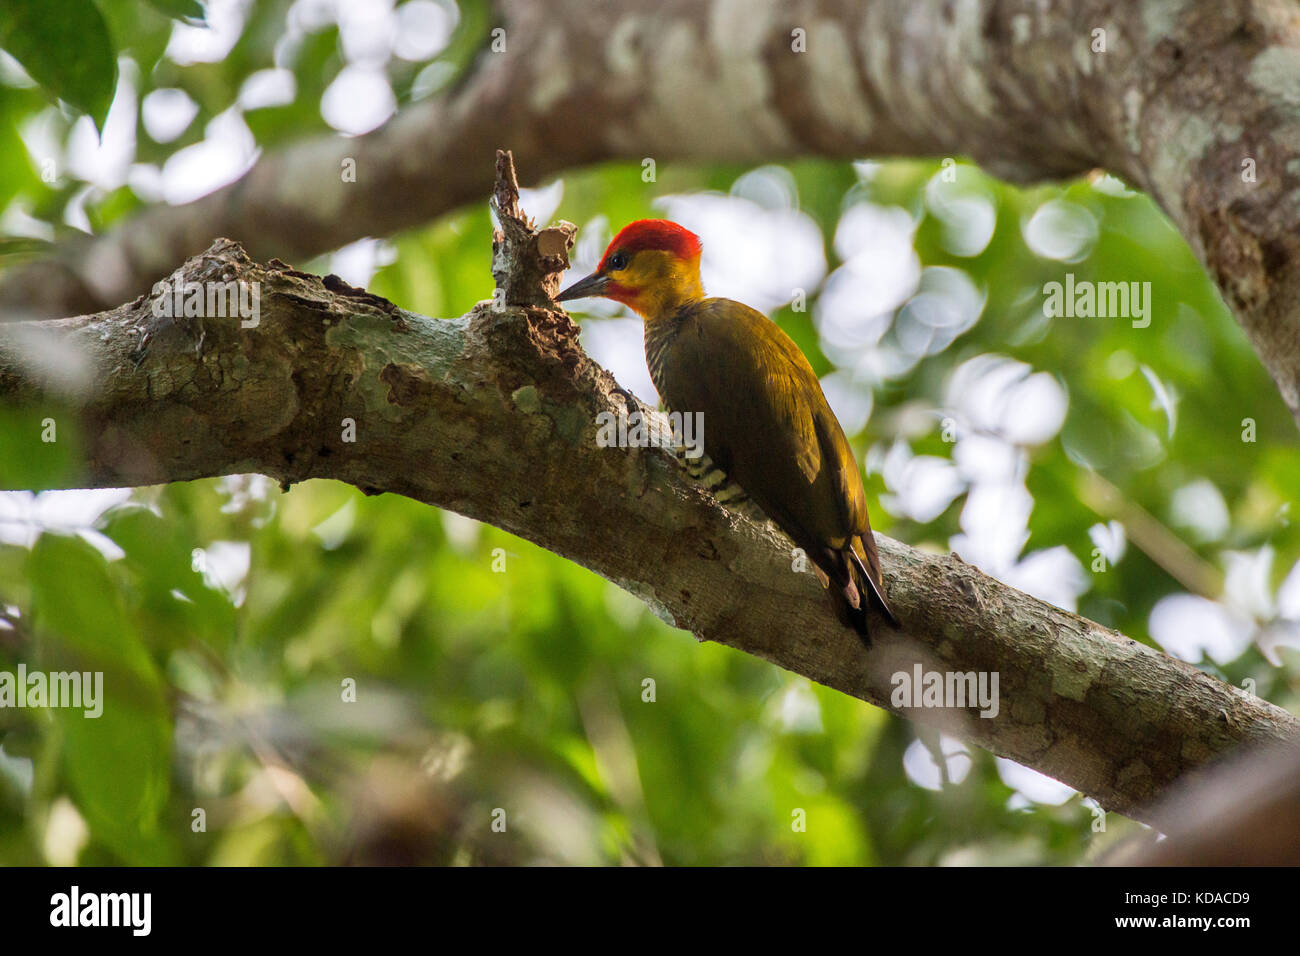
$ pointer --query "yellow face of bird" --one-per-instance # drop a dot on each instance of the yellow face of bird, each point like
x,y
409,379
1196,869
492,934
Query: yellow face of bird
x,y
652,266
654,281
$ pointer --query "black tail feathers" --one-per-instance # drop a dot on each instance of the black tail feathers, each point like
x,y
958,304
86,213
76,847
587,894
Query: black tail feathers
x,y
872,584
853,590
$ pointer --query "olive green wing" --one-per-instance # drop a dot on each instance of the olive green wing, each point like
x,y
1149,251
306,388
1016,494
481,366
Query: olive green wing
x,y
842,473
758,395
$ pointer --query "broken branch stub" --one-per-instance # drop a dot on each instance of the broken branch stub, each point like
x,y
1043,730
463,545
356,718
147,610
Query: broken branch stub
x,y
526,263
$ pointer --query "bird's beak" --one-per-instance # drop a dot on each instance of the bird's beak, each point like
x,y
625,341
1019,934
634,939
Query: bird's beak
x,y
594,284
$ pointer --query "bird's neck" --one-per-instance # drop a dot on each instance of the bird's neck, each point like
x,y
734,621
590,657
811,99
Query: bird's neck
x,y
662,324
663,304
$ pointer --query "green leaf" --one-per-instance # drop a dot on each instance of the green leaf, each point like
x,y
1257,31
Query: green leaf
x,y
38,446
23,246
160,554
117,763
142,32
65,46
190,10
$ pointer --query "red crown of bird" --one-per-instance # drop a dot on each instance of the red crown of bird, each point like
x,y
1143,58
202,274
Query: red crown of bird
x,y
657,234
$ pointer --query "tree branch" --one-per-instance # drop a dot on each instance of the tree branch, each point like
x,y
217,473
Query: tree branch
x,y
494,415
1179,99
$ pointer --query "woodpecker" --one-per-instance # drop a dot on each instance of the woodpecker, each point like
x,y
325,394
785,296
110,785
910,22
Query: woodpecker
x,y
766,423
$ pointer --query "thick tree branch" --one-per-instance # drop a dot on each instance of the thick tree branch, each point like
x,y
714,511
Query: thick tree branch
x,y
1179,98
493,415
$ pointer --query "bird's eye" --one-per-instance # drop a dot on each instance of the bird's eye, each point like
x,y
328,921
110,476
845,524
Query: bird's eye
x,y
618,261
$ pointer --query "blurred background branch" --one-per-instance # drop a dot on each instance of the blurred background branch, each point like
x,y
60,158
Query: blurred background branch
x,y
1242,811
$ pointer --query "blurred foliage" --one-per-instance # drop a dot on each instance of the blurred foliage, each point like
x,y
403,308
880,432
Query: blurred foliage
x,y
320,676
40,33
